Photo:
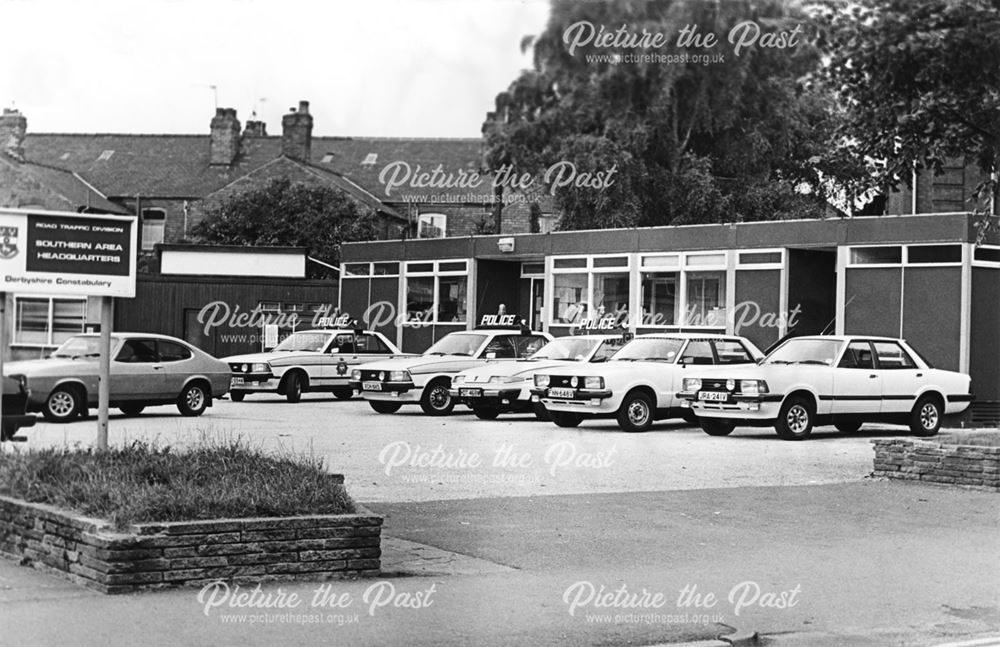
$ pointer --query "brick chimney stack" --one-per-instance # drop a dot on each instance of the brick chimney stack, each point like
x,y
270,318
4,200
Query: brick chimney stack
x,y
13,126
255,128
296,133
225,137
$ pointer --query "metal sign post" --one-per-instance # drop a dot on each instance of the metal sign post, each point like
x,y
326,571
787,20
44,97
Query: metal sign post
x,y
104,375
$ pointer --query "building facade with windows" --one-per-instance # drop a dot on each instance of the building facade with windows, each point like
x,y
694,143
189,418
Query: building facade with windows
x,y
923,278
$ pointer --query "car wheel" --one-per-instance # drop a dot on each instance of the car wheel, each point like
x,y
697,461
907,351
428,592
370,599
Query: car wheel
x,y
237,396
385,407
63,404
716,426
193,400
343,393
132,409
541,413
486,413
436,401
636,412
925,420
795,420
293,387
566,418
848,427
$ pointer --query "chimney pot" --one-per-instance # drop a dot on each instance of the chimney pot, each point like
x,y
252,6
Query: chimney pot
x,y
296,133
13,127
304,107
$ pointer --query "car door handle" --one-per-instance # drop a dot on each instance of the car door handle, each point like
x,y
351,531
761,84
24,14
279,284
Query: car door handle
x,y
157,368
920,374
872,377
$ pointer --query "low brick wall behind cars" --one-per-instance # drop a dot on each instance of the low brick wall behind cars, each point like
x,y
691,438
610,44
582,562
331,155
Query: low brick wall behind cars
x,y
937,462
190,553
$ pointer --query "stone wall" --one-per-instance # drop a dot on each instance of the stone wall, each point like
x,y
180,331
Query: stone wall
x,y
938,461
190,553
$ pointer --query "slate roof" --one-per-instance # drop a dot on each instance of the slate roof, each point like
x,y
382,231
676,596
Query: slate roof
x,y
177,166
66,186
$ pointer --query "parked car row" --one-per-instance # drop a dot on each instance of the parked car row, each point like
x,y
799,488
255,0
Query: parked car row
x,y
717,381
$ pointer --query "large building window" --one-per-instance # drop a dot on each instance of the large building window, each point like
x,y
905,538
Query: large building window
x,y
706,299
569,298
431,225
154,227
588,287
45,321
659,298
437,291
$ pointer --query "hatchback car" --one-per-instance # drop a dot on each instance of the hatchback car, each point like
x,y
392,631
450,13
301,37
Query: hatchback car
x,y
146,370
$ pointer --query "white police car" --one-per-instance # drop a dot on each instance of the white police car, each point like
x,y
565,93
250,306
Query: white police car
x,y
638,384
426,379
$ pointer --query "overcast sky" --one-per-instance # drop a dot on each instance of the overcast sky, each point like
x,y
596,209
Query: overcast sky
x,y
427,68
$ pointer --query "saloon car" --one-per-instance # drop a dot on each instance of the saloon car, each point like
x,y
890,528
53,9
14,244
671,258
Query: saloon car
x,y
146,370
15,406
845,381
427,379
638,384
308,360
505,387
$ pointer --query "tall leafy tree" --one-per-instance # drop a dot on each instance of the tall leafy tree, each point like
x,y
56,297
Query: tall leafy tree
x,y
286,213
734,139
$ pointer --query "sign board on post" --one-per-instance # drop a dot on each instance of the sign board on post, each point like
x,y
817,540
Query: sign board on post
x,y
50,252
68,254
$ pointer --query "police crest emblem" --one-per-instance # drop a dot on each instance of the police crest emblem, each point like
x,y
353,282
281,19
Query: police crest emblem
x,y
8,242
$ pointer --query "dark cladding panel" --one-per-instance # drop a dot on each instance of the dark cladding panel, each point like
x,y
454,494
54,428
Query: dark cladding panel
x,y
354,296
758,303
438,248
825,233
872,301
932,306
595,242
383,314
536,245
812,289
497,282
984,341
393,250
417,340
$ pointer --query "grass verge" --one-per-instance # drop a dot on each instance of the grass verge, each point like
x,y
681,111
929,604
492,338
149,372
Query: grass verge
x,y
145,482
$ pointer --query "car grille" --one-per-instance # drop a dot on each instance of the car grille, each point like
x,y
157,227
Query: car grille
x,y
562,381
372,376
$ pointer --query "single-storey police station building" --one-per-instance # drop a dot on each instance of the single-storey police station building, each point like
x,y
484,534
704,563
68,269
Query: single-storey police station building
x,y
925,278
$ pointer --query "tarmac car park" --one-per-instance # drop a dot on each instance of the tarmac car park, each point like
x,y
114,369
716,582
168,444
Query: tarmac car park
x,y
427,379
638,384
841,380
308,360
505,387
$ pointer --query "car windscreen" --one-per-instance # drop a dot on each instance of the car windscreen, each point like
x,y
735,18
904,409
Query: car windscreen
x,y
457,344
314,341
806,351
572,348
81,347
662,349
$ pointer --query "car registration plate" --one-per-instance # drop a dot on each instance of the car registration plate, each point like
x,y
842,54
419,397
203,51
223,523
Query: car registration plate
x,y
713,396
470,393
236,381
371,386
562,393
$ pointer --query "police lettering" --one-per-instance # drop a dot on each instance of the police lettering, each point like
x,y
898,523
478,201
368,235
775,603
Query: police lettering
x,y
498,320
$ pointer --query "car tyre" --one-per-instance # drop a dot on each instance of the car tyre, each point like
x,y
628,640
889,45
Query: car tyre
x,y
566,418
132,410
193,400
237,396
293,387
436,401
541,413
636,412
717,427
848,427
343,393
796,418
63,404
925,419
385,407
486,413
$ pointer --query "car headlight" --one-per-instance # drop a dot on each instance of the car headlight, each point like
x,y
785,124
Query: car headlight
x,y
753,387
399,376
542,381
495,378
356,374
261,368
691,384
458,379
593,382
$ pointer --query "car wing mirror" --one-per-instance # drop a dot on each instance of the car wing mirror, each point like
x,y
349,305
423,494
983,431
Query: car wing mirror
x,y
491,355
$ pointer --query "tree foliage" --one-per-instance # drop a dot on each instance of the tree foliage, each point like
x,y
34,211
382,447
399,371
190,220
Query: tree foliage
x,y
730,140
286,213
919,80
